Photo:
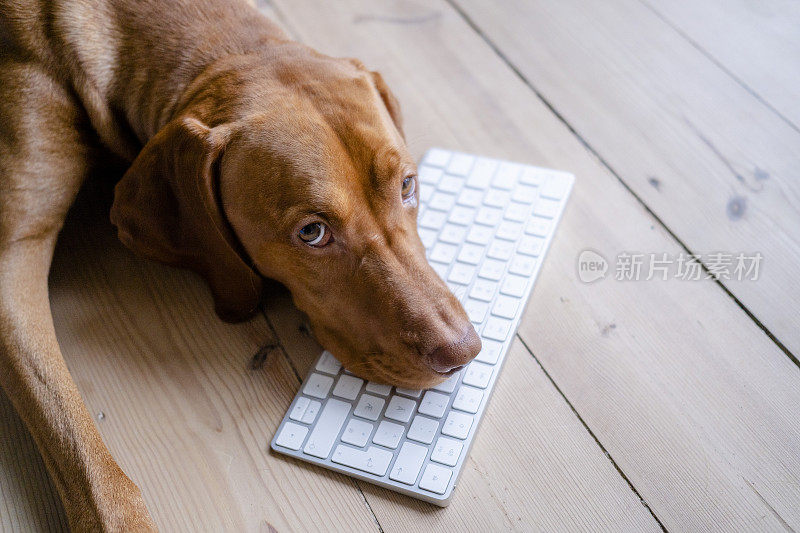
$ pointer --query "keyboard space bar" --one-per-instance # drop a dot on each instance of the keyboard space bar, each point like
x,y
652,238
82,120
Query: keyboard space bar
x,y
327,429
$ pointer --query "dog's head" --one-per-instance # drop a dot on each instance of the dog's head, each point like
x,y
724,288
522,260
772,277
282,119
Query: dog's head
x,y
311,184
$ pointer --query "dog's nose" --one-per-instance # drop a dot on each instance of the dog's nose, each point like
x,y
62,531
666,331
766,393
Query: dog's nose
x,y
452,356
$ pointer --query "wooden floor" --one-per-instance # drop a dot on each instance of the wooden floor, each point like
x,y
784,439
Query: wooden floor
x,y
624,406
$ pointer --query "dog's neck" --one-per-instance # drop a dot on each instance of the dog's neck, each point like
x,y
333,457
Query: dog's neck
x,y
163,51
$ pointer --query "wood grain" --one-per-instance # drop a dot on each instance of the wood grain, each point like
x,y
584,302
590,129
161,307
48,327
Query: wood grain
x,y
757,42
715,164
697,406
28,499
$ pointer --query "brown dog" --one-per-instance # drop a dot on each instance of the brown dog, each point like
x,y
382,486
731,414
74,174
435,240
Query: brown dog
x,y
252,156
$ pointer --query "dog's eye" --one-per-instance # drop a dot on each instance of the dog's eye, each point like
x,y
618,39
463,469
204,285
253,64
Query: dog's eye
x,y
409,186
315,234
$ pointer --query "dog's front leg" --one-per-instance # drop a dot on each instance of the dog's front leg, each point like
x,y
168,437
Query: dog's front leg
x,y
96,493
42,164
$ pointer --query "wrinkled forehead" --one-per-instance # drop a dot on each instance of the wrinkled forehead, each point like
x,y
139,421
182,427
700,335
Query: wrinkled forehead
x,y
307,163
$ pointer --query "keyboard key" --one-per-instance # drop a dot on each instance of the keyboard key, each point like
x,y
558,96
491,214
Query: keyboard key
x,y
514,286
478,374
471,254
428,236
414,393
555,187
500,250
441,269
433,404
292,436
433,219
453,234
327,429
532,176
451,184
468,399
377,388
461,273
460,291
525,194
446,451
490,351
318,386
400,409
506,176
470,197
530,245
489,216
435,478
476,311
369,407
496,328
505,306
388,434
372,460
457,425
442,201
449,385
311,412
437,157
517,212
299,408
461,215
348,387
483,290
408,464
538,226
429,175
492,269
497,198
509,230
425,193
443,253
546,208
357,432
481,175
522,265
460,164
423,429
480,235
328,363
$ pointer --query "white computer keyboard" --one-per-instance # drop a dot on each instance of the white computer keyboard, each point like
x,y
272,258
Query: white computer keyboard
x,y
486,225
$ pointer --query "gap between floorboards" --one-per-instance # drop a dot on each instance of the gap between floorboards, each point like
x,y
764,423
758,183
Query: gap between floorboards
x,y
468,20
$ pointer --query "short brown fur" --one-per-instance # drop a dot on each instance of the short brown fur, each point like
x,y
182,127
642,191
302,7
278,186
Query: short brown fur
x,y
236,138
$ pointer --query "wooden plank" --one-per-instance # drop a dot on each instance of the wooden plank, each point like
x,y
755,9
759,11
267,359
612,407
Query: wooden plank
x,y
757,42
713,162
174,399
28,499
697,406
567,483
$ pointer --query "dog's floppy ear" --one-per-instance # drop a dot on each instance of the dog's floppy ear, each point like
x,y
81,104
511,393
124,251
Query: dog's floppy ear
x,y
389,100
166,207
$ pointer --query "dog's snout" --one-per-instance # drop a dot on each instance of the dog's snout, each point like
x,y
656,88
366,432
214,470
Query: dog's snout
x,y
451,357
